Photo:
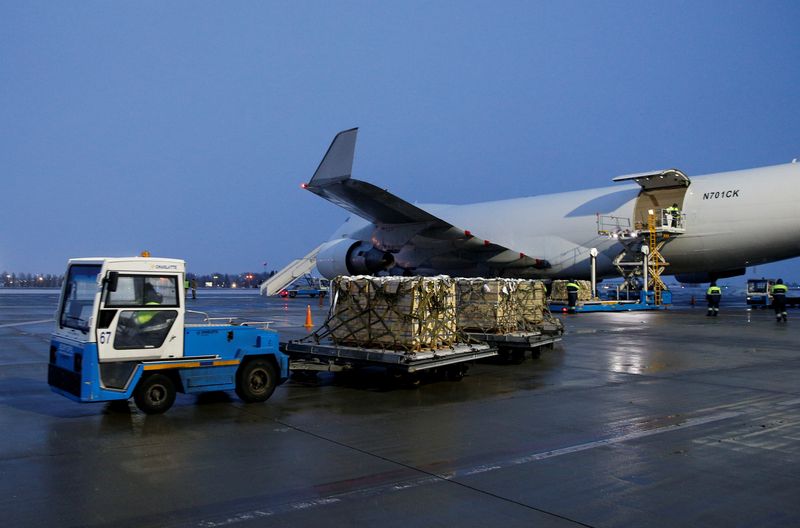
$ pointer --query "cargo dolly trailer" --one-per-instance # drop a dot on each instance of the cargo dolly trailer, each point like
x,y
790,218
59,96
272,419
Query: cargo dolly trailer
x,y
306,355
513,346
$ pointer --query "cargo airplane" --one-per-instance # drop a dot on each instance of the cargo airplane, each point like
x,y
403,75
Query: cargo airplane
x,y
726,222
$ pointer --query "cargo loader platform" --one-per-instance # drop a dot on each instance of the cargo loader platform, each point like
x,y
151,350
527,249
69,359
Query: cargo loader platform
x,y
646,301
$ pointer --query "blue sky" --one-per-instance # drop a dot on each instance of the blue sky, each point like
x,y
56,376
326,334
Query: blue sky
x,y
185,128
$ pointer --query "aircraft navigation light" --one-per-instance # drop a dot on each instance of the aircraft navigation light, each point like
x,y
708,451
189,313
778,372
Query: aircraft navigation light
x,y
304,186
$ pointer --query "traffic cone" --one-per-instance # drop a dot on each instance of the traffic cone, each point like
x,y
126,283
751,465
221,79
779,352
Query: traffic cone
x,y
309,323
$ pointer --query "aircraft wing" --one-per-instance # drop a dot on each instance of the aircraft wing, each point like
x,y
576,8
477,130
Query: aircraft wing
x,y
332,181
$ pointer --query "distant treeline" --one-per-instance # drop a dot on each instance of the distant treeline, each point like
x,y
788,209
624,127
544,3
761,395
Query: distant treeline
x,y
226,280
210,280
31,280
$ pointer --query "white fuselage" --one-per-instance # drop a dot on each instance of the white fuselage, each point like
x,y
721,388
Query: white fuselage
x,y
732,220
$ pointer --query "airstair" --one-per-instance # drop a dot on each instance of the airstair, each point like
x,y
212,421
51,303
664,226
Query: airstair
x,y
296,269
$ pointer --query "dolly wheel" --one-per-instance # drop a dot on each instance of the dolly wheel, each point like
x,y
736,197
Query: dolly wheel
x,y
154,394
456,372
517,356
256,380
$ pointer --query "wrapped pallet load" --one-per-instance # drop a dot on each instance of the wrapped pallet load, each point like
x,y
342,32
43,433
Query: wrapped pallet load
x,y
398,313
486,305
531,302
500,305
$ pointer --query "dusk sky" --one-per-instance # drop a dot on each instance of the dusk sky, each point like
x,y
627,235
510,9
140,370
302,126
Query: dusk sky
x,y
186,128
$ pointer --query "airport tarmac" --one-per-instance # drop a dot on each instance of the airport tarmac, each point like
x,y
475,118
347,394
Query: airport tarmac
x,y
656,419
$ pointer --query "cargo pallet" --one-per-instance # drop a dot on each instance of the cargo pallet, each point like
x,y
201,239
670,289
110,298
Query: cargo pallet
x,y
329,357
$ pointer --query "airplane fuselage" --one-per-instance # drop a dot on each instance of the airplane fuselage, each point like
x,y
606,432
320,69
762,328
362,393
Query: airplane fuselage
x,y
732,220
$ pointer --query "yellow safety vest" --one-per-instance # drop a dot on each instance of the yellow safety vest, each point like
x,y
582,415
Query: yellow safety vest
x,y
780,289
144,317
714,290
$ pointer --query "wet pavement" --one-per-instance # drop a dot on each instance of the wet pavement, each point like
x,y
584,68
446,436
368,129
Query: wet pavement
x,y
634,419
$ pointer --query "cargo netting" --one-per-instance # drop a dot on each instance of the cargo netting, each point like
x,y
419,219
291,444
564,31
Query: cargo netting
x,y
424,313
397,313
501,305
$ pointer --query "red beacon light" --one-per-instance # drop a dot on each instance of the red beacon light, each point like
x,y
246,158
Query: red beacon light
x,y
304,186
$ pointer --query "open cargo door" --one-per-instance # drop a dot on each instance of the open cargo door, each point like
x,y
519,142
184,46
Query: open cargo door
x,y
660,189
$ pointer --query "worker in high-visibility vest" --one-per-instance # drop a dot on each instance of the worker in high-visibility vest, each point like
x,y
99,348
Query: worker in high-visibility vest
x,y
151,298
674,215
572,295
779,290
713,296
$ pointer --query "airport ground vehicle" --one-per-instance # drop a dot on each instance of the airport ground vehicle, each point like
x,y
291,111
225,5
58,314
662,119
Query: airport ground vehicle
x,y
121,332
306,286
758,293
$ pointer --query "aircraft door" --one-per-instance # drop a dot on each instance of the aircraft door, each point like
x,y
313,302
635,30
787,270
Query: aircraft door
x,y
140,317
657,200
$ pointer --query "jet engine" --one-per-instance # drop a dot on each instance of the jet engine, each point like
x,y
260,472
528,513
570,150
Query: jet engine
x,y
352,257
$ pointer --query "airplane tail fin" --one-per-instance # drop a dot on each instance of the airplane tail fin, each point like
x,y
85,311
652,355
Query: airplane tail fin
x,y
337,165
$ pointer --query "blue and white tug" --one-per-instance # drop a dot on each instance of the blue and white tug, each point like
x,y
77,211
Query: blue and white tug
x,y
121,332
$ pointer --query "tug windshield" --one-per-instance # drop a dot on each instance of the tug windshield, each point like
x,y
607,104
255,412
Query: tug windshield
x,y
79,292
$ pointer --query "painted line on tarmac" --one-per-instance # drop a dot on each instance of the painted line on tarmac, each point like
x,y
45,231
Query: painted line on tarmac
x,y
382,489
597,443
23,323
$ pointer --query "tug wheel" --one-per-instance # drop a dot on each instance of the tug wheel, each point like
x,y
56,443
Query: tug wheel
x,y
256,381
154,394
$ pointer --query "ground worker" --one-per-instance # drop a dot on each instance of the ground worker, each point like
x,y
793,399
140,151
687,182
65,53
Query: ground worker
x,y
194,288
151,298
146,323
674,214
572,295
779,290
713,296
